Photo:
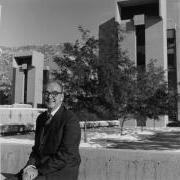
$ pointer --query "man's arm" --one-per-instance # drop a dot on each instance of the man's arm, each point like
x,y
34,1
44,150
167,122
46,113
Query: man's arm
x,y
32,161
68,152
34,157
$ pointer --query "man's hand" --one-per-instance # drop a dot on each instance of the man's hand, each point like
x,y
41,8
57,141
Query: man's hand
x,y
25,176
30,173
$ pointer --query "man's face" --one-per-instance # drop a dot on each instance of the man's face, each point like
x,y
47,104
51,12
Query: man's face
x,y
53,96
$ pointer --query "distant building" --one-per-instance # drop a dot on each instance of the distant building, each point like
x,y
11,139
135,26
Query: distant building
x,y
28,68
28,78
152,31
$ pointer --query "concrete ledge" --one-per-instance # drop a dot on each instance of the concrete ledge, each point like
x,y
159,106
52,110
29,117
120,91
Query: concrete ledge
x,y
96,124
6,129
106,164
13,128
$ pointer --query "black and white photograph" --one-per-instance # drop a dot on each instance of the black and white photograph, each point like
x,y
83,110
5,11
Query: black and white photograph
x,y
89,89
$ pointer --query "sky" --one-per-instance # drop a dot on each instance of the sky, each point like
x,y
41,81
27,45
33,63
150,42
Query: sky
x,y
35,22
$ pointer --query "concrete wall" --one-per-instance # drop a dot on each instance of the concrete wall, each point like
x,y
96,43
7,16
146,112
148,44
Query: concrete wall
x,y
173,16
108,38
178,54
106,164
154,35
18,116
129,42
154,40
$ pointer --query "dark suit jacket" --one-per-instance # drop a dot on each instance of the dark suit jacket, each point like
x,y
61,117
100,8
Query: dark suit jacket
x,y
56,155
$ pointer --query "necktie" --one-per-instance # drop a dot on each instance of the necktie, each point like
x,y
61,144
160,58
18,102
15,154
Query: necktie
x,y
49,117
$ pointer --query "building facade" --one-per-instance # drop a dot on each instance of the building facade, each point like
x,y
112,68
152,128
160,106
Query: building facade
x,y
152,31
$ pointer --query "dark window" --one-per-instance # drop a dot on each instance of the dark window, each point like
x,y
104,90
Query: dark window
x,y
25,85
45,76
24,60
140,45
171,61
172,70
171,50
171,33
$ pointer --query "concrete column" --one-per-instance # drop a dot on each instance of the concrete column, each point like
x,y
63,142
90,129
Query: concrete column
x,y
19,86
117,12
163,14
154,41
31,86
178,53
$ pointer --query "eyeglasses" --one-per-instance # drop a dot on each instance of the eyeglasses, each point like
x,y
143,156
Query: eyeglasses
x,y
53,94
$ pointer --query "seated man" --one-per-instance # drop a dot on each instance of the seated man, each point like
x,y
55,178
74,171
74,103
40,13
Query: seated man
x,y
55,154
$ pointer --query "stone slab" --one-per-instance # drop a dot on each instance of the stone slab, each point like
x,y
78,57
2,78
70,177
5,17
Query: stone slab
x,y
106,164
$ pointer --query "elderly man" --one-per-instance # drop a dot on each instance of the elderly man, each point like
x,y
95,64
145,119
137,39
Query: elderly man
x,y
55,154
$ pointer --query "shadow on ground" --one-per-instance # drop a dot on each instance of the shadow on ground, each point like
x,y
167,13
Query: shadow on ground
x,y
158,141
161,140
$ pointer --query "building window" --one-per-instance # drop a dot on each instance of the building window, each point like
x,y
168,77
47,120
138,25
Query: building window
x,y
171,61
140,46
171,49
172,66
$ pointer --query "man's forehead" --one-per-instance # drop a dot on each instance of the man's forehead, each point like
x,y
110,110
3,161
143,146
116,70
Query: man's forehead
x,y
54,86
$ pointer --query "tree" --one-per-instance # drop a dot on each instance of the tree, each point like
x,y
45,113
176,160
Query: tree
x,y
5,82
5,88
112,84
151,96
116,77
130,91
117,88
78,71
138,94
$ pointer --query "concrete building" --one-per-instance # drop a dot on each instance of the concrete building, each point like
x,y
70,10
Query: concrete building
x,y
152,31
28,78
27,70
